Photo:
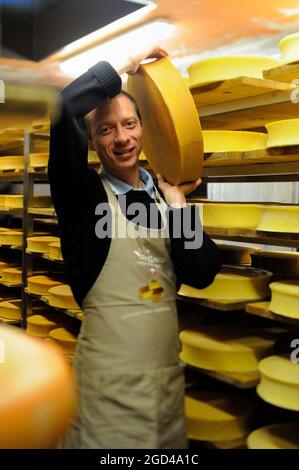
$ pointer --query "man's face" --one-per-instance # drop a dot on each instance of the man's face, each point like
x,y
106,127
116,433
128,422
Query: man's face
x,y
116,133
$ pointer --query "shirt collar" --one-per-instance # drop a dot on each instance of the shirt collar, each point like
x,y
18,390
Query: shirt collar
x,y
120,187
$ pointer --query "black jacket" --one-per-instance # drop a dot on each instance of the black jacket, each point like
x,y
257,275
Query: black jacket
x,y
77,189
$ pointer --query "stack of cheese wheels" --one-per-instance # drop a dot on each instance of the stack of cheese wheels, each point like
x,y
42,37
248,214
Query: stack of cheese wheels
x,y
11,237
278,262
40,244
41,325
285,298
40,285
55,251
279,383
38,160
160,91
62,297
282,133
233,283
223,68
233,141
230,215
37,393
11,275
217,416
15,163
65,339
289,48
11,309
236,254
279,218
275,436
227,348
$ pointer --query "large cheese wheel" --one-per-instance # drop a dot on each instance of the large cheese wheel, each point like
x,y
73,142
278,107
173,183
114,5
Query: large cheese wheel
x,y
5,265
12,275
12,163
11,309
280,262
65,339
289,48
233,283
285,298
41,325
224,348
40,244
283,133
55,251
223,68
172,132
37,392
279,383
235,254
41,284
217,416
38,160
279,219
233,141
11,237
62,297
275,436
227,215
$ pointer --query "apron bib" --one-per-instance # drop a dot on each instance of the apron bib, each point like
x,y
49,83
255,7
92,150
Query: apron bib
x,y
130,381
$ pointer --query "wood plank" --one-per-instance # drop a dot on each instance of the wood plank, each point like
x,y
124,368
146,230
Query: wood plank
x,y
235,89
47,211
275,155
222,305
283,73
261,309
241,380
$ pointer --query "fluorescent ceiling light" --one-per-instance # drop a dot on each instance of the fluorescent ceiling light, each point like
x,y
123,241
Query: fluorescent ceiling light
x,y
114,50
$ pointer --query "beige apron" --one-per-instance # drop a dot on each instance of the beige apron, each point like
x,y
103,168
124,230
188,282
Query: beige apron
x,y
131,384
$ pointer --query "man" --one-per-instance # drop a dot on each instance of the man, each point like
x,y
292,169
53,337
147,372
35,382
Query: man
x,y
131,385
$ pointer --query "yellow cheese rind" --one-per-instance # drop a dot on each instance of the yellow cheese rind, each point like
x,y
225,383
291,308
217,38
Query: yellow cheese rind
x,y
40,325
275,436
41,284
224,348
223,68
40,244
235,254
289,48
233,141
12,275
38,160
216,416
11,310
11,237
170,128
15,163
285,298
283,133
55,251
280,262
279,219
62,297
16,201
233,283
279,383
65,339
227,215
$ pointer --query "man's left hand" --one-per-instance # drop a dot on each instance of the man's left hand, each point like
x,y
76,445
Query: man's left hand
x,y
175,195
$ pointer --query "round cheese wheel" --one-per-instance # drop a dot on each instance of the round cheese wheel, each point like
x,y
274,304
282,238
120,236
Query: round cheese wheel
x,y
235,254
12,275
279,219
289,48
172,132
283,133
223,68
40,325
40,244
62,297
275,436
41,284
12,163
279,383
65,339
280,262
217,416
233,283
12,310
38,160
233,141
37,392
55,251
229,215
5,265
224,348
285,298
11,237
14,200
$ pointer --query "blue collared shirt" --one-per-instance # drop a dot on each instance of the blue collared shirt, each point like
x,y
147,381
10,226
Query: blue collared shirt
x,y
120,187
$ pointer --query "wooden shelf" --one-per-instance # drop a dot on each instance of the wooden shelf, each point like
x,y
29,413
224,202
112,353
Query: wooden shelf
x,y
261,309
44,298
44,256
10,284
222,305
46,211
283,73
241,380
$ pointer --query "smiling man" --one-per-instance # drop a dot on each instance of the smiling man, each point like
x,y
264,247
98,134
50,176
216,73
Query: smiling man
x,y
131,383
